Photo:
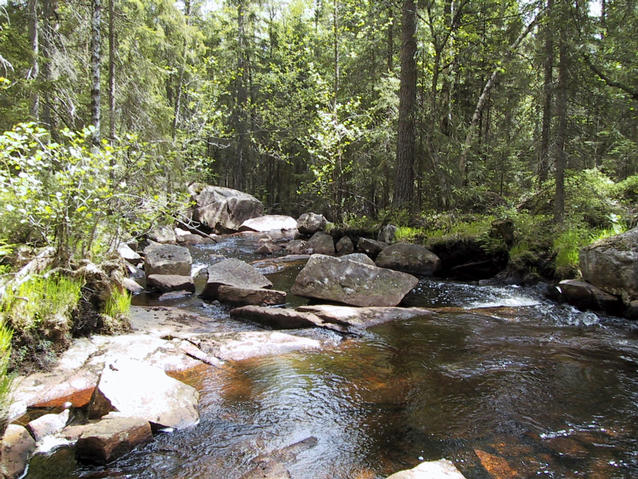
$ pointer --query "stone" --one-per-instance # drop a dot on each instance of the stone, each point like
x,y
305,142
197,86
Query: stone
x,y
222,209
15,451
186,237
135,389
278,318
233,272
466,258
132,286
268,248
310,223
409,258
267,469
256,296
370,247
322,243
360,257
110,438
611,264
297,247
441,469
48,425
587,296
388,234
352,282
127,254
170,282
163,235
252,344
344,246
173,295
503,229
362,317
269,223
631,311
496,466
167,259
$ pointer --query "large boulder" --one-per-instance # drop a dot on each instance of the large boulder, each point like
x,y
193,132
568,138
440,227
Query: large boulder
x,y
310,223
410,258
344,246
352,282
233,272
370,247
441,469
15,451
612,265
269,223
135,389
388,234
163,234
584,296
167,259
223,209
322,243
106,440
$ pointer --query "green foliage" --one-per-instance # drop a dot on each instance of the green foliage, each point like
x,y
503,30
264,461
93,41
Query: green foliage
x,y
38,311
118,304
5,377
627,190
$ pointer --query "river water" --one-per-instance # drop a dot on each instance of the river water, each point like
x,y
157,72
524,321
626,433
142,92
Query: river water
x,y
501,381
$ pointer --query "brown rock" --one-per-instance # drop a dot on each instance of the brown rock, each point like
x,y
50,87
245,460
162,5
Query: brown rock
x,y
409,258
297,247
48,425
111,438
233,272
344,246
170,282
17,447
267,469
496,466
370,247
167,259
278,318
587,296
310,223
322,243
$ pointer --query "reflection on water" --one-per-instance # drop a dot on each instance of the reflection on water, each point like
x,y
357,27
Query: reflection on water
x,y
500,381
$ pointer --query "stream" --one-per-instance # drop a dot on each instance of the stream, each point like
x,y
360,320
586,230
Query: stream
x,y
501,381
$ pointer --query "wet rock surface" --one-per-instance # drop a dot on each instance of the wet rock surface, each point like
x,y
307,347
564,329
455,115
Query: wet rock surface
x,y
15,451
170,282
351,282
257,296
441,469
167,260
269,223
222,209
233,272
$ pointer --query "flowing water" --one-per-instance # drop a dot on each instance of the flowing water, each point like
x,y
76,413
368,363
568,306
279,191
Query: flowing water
x,y
501,381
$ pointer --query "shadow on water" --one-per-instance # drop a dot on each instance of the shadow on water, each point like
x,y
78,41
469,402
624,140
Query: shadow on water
x,y
501,382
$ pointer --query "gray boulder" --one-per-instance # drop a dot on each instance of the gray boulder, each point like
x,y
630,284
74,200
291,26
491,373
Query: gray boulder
x,y
612,265
278,318
223,209
352,282
237,295
134,389
345,246
170,282
370,247
233,272
167,259
105,441
360,257
163,234
297,247
127,254
269,223
387,234
322,243
584,295
48,424
409,258
310,223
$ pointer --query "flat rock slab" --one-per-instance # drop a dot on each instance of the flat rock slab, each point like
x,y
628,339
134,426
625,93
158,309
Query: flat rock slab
x,y
409,258
278,318
441,469
351,282
167,259
170,282
274,265
112,437
233,272
256,296
269,223
363,317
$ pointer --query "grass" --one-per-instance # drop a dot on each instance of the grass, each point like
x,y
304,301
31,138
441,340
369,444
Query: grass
x,y
5,377
118,304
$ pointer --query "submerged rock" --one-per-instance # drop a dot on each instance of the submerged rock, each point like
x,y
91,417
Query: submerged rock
x,y
110,438
310,223
15,451
278,318
352,282
167,259
409,258
362,317
269,223
135,389
441,469
223,209
233,272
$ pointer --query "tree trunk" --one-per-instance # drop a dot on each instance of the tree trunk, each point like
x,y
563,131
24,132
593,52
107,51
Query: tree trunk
x,y
34,72
561,133
404,175
111,70
242,98
48,99
548,68
96,57
180,77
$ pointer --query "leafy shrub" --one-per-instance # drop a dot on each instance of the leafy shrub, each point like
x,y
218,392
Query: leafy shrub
x,y
627,190
5,378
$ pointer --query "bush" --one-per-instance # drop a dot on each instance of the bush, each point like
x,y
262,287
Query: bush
x,y
5,378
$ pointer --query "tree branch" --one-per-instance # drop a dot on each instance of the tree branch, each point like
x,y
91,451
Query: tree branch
x,y
609,81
